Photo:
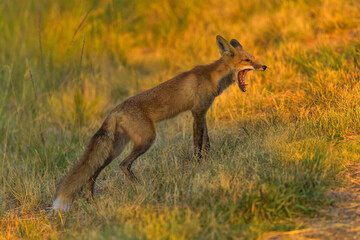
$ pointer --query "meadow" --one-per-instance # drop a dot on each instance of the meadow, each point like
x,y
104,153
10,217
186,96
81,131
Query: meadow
x,y
276,149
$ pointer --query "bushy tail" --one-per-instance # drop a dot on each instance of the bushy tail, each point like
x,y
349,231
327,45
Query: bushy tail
x,y
98,150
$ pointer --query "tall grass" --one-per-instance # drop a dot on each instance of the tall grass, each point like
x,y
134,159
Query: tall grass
x,y
275,149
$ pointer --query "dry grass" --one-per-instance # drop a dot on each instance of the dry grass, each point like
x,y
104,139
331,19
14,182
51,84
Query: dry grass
x,y
275,149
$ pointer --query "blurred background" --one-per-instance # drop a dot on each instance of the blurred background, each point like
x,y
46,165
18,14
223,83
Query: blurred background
x,y
73,61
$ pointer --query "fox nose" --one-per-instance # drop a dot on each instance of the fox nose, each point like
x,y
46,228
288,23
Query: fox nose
x,y
264,67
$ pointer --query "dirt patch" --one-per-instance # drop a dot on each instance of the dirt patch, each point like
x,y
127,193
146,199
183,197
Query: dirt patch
x,y
340,221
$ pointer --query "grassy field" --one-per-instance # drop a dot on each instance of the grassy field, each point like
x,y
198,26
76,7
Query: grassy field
x,y
276,149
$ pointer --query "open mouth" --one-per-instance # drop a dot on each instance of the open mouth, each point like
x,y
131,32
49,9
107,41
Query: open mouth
x,y
241,79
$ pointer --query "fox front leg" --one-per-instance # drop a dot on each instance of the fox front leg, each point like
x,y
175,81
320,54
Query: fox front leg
x,y
199,126
206,141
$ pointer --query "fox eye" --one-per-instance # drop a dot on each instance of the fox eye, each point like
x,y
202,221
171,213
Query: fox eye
x,y
247,60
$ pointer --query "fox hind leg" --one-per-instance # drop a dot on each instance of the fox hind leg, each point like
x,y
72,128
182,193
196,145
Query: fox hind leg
x,y
91,183
143,138
137,151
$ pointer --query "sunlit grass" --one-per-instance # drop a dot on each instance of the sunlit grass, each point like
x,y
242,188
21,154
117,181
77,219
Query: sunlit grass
x,y
275,149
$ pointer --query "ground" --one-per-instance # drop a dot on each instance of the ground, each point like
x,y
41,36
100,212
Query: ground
x,y
339,221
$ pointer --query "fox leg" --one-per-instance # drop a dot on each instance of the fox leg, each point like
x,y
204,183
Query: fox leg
x,y
199,126
91,183
125,165
143,136
121,140
206,140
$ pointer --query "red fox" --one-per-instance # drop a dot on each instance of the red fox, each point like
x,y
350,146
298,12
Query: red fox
x,y
134,119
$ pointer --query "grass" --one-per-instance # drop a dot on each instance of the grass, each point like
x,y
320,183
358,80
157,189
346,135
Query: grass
x,y
276,149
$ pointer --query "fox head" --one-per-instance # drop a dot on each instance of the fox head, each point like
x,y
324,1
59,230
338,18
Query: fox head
x,y
239,60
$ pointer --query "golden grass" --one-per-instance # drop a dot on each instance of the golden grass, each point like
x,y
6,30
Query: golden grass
x,y
275,149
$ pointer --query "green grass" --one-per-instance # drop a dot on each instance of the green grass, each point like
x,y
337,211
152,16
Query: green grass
x,y
276,150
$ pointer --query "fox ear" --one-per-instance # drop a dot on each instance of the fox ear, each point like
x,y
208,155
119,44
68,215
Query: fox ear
x,y
236,44
224,48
